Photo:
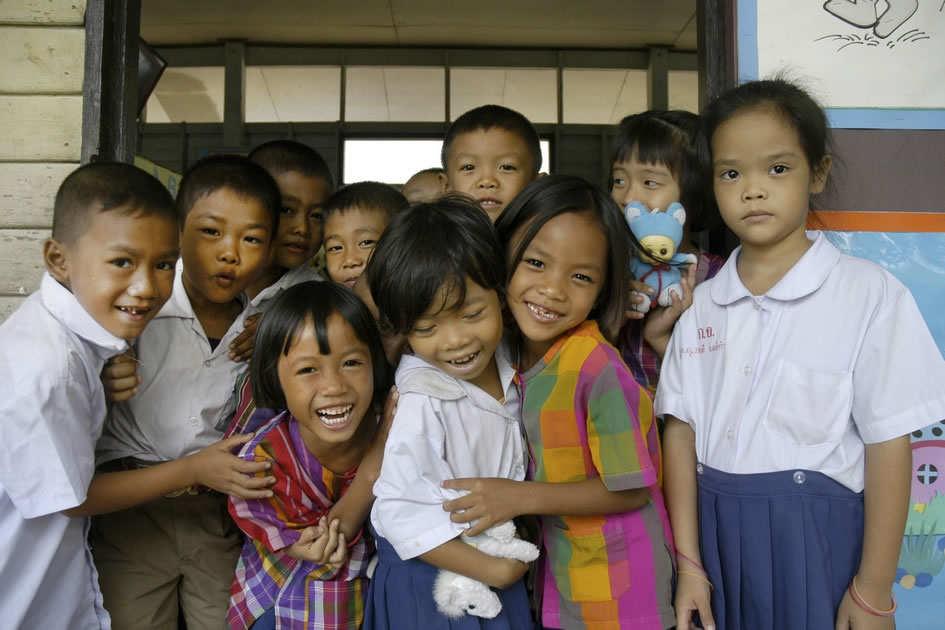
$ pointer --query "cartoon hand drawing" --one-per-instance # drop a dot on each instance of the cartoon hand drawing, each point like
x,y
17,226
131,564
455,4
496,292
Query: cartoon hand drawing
x,y
862,14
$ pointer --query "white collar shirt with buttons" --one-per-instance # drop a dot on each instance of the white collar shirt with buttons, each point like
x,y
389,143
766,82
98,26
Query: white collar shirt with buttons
x,y
292,277
52,405
835,355
185,398
445,428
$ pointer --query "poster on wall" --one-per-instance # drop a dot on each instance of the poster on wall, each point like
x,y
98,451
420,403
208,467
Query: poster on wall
x,y
875,64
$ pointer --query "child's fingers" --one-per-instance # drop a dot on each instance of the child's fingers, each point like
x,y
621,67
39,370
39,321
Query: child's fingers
x,y
636,285
340,554
460,483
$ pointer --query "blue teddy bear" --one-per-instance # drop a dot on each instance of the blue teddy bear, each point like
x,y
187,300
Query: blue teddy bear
x,y
657,263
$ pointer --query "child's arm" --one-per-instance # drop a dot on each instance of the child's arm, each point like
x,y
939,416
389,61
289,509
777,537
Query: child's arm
x,y
680,492
458,557
886,501
215,467
658,327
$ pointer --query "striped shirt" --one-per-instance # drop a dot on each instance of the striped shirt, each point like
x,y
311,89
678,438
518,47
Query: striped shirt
x,y
586,417
305,595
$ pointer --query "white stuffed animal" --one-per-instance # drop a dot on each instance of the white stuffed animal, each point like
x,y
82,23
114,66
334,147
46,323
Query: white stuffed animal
x,y
457,595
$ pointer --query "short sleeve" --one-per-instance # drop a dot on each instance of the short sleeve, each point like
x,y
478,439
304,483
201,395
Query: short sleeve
x,y
408,508
619,419
899,373
669,400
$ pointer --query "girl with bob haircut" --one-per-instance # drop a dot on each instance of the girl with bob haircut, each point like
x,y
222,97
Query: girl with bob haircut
x,y
317,356
594,452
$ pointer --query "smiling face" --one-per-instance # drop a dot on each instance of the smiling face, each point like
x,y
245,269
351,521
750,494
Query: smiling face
x,y
121,269
300,221
653,185
460,339
224,245
491,165
350,237
329,394
762,179
557,281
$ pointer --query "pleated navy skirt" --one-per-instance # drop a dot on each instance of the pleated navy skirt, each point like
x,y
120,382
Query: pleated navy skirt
x,y
780,548
400,597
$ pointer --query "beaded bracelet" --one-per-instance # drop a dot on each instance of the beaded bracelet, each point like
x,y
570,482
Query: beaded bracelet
x,y
701,577
859,601
691,561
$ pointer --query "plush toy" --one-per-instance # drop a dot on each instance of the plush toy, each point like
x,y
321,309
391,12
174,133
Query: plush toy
x,y
457,595
656,262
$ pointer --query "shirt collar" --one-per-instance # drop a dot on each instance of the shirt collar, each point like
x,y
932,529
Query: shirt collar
x,y
805,277
64,306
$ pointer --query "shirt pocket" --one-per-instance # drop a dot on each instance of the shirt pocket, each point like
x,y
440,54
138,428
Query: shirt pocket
x,y
589,564
810,407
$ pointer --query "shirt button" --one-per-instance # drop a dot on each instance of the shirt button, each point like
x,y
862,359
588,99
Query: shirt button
x,y
193,421
747,370
699,468
207,362
757,306
799,477
730,433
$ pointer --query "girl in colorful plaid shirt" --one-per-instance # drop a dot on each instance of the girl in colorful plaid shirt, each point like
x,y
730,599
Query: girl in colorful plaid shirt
x,y
317,354
592,443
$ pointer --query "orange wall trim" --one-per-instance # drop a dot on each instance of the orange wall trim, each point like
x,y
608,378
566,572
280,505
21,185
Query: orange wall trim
x,y
876,221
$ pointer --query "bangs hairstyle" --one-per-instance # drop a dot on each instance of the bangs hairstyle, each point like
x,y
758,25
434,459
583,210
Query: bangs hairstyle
x,y
282,322
487,117
368,196
107,187
429,246
554,195
284,156
667,138
243,177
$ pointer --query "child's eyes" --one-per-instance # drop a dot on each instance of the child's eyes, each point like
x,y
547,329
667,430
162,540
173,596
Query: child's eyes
x,y
123,263
466,167
255,240
317,216
532,262
583,278
333,249
287,211
167,265
508,167
475,315
620,181
649,183
305,370
423,330
210,231
729,174
367,243
353,363
779,169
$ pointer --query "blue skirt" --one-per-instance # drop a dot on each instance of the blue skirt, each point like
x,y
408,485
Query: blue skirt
x,y
400,597
780,548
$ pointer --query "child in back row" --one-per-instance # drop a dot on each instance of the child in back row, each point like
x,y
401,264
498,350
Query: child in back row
x,y
437,276
110,268
183,547
790,387
594,455
491,153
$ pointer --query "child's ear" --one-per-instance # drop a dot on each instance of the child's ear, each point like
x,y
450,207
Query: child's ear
x,y
818,178
56,259
443,182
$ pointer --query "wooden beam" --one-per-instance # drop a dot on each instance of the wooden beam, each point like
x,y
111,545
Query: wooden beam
x,y
234,93
657,78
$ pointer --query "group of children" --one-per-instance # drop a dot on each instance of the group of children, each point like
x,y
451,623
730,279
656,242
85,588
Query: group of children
x,y
184,375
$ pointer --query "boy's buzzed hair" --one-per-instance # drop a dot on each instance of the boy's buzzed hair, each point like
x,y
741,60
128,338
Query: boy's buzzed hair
x,y
383,198
495,116
283,156
242,176
104,187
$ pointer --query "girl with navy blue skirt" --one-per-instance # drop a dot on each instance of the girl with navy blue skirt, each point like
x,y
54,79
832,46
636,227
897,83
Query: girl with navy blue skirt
x,y
789,388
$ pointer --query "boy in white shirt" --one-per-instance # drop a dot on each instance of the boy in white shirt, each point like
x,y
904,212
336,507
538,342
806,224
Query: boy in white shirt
x,y
180,551
110,267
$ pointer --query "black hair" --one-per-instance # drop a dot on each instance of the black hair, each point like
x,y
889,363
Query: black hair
x,y
787,99
282,322
428,246
554,195
107,187
283,156
242,176
382,198
665,137
433,170
495,116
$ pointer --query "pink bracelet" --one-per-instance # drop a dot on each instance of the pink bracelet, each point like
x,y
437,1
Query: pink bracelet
x,y
691,561
859,601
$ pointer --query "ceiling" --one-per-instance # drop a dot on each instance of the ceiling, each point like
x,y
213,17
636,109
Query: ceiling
x,y
445,23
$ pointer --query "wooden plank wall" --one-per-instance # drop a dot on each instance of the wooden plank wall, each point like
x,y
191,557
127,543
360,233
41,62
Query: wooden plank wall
x,y
42,54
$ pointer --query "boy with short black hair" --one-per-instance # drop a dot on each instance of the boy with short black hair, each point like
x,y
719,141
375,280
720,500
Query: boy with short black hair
x,y
353,220
424,186
491,153
182,548
110,268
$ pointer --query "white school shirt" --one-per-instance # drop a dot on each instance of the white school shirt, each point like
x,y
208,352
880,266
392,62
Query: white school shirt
x,y
185,398
52,405
292,277
835,355
444,428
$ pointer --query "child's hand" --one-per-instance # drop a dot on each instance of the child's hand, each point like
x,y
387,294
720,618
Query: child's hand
x,y
321,544
636,289
658,327
491,500
692,595
120,377
241,348
218,468
852,617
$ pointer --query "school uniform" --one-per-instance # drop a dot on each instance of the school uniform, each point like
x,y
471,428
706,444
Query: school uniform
x,y
445,428
188,538
52,405
783,391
